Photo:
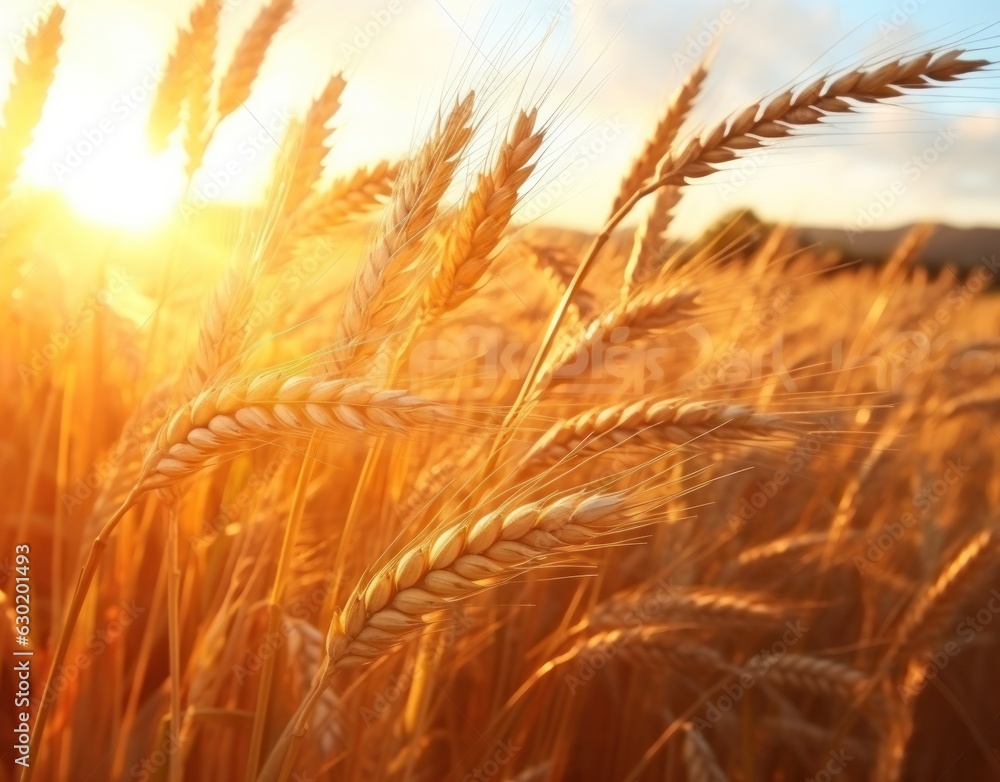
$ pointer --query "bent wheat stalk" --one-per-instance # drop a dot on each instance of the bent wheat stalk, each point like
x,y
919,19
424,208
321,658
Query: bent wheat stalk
x,y
452,564
230,416
754,127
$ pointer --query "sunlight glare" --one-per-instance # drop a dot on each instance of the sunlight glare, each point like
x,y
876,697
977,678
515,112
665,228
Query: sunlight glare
x,y
127,186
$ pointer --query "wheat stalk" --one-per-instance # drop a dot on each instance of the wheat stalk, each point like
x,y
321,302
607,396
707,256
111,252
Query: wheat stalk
x,y
699,759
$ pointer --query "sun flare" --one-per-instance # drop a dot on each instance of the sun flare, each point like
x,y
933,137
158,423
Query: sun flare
x,y
126,186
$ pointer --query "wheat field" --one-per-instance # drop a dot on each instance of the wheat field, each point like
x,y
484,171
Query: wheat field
x,y
377,479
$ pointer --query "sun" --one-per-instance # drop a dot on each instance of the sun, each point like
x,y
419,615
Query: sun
x,y
126,186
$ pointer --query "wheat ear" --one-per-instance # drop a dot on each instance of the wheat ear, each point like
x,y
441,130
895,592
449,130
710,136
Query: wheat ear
x,y
33,76
165,114
652,421
700,157
645,258
699,605
378,297
923,622
644,166
457,563
759,125
238,412
234,88
223,327
450,565
483,219
639,317
313,147
345,199
198,81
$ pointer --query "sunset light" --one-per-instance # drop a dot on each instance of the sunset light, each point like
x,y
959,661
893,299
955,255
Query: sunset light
x,y
554,391
126,185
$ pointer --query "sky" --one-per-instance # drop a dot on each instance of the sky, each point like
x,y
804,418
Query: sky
x,y
601,72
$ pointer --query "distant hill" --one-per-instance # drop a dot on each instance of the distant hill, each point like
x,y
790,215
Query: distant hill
x,y
962,247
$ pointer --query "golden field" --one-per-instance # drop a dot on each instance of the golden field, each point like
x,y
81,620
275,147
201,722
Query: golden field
x,y
376,480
